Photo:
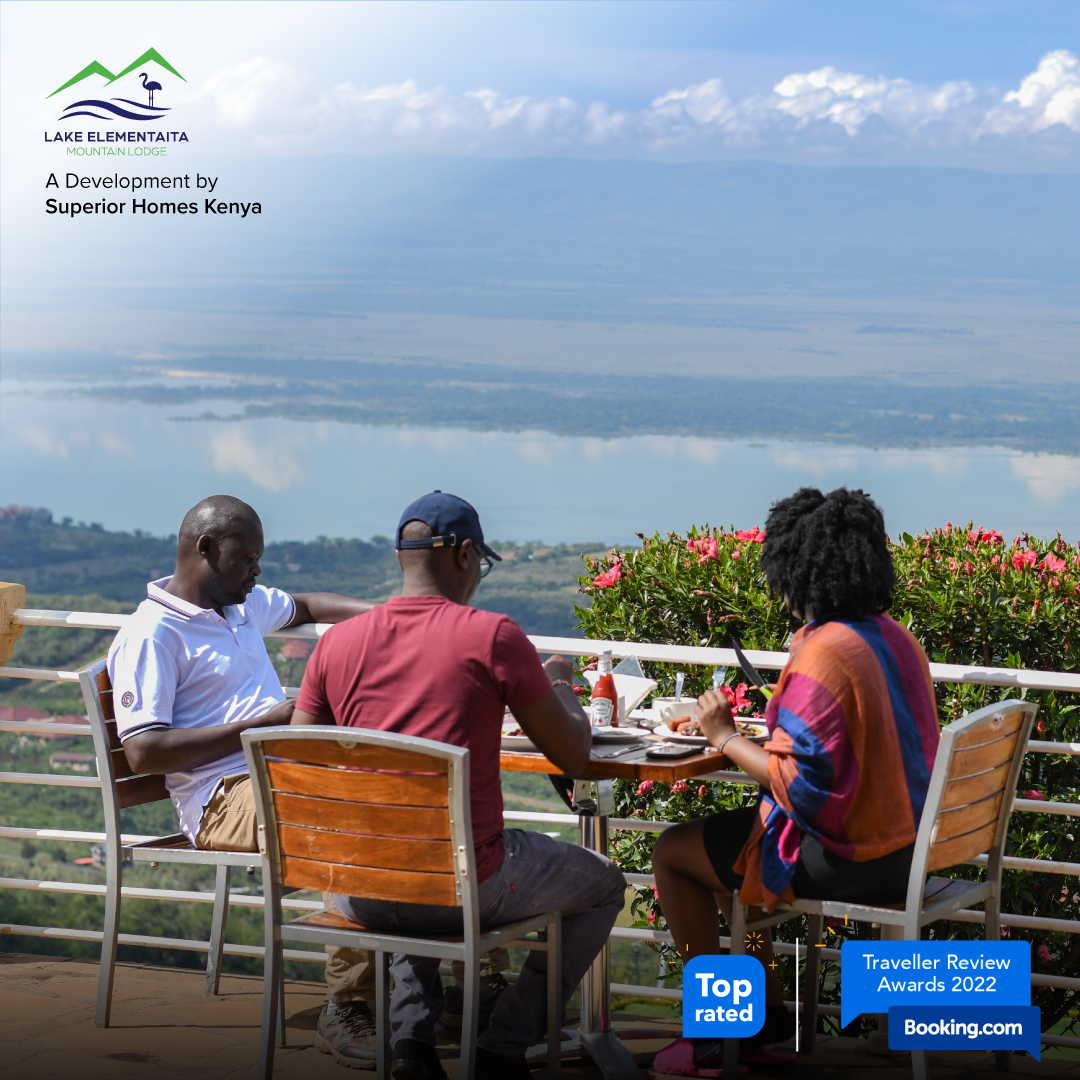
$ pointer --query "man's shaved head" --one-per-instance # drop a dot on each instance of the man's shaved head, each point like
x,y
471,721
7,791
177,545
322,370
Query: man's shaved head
x,y
218,552
218,516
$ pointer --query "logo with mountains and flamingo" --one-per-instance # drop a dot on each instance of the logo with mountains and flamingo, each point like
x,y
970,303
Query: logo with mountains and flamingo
x,y
119,107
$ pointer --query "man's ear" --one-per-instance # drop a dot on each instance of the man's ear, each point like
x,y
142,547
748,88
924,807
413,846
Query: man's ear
x,y
462,554
206,546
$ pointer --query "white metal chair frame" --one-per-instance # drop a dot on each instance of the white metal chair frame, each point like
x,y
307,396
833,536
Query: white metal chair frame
x,y
121,787
467,947
928,898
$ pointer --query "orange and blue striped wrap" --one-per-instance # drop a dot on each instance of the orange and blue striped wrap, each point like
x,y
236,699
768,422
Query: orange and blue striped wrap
x,y
853,732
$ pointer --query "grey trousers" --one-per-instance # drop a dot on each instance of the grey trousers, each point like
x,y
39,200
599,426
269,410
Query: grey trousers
x,y
538,873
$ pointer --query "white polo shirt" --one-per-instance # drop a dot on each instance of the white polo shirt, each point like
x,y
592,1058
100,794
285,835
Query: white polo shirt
x,y
177,665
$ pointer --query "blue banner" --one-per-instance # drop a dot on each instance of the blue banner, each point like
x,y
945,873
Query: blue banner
x,y
723,997
880,974
973,1027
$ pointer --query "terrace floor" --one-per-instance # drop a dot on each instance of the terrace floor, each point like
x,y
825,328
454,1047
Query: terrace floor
x,y
166,1027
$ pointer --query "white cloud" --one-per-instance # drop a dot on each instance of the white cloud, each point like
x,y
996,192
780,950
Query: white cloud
x,y
271,106
1049,477
274,465
1049,96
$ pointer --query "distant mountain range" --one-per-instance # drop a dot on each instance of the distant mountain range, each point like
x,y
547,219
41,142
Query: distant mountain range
x,y
94,68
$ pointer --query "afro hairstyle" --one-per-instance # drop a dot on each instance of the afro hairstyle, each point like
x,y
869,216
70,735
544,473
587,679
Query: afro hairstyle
x,y
828,554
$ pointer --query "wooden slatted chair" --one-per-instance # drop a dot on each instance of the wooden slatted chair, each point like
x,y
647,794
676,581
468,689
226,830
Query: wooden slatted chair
x,y
382,816
122,788
966,814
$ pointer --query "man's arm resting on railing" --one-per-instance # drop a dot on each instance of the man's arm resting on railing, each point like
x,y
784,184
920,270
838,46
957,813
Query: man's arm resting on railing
x,y
327,607
164,750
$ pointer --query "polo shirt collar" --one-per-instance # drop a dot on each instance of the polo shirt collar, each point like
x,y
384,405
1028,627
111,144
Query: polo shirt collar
x,y
155,590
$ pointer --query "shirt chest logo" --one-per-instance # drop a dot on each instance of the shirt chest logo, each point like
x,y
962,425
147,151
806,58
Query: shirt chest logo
x,y
128,699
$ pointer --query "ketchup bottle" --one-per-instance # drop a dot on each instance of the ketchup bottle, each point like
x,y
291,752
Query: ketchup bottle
x,y
605,702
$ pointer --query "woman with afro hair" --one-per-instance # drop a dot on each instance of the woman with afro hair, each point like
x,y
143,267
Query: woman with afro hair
x,y
853,733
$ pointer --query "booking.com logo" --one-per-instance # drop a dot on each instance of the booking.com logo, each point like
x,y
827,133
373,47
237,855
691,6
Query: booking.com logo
x,y
966,1027
951,1027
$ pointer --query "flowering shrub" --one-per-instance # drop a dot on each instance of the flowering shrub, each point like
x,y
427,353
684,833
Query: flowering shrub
x,y
969,597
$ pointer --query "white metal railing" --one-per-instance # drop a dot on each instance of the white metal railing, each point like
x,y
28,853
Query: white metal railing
x,y
692,655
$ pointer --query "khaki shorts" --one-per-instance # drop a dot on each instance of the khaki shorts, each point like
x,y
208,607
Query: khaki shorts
x,y
229,822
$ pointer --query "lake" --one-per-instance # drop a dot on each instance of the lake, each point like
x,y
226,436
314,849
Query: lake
x,y
134,466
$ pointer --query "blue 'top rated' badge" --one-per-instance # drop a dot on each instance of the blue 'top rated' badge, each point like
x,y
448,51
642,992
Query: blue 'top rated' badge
x,y
723,997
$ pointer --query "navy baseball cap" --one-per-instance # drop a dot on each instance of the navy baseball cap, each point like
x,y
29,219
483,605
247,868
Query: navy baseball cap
x,y
450,519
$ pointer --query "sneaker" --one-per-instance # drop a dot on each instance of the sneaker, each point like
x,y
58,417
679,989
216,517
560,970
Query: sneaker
x,y
347,1033
491,990
492,1066
412,1060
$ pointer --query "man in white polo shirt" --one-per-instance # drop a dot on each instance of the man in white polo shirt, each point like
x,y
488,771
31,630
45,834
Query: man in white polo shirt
x,y
190,672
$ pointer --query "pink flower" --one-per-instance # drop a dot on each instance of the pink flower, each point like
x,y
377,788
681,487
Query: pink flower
x,y
1044,954
1033,794
680,787
968,569
1021,560
994,561
655,892
974,535
729,694
741,700
701,791
754,535
1041,727
609,578
644,787
954,565
1055,566
1005,931
651,917
737,554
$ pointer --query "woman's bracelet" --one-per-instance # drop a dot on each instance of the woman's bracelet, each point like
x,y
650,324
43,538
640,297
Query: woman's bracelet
x,y
562,682
726,741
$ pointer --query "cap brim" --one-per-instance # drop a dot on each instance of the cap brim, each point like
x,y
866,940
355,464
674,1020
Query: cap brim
x,y
488,552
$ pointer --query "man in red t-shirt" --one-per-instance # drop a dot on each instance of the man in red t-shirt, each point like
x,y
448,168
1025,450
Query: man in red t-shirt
x,y
427,664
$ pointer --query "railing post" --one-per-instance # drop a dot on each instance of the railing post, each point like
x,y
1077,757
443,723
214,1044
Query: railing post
x,y
12,597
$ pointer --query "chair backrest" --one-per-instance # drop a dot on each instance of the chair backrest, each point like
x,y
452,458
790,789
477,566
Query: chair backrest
x,y
364,813
972,789
121,786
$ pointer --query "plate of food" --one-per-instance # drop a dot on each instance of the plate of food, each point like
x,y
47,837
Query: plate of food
x,y
618,734
689,731
513,738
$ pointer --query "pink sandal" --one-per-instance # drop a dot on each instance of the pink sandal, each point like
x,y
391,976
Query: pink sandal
x,y
677,1059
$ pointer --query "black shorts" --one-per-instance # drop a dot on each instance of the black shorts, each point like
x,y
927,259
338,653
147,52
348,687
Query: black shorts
x,y
820,874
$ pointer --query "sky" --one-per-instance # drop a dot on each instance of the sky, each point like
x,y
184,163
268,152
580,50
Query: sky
x,y
994,85
825,188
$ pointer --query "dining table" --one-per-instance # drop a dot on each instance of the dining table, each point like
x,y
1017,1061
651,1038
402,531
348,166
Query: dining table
x,y
593,800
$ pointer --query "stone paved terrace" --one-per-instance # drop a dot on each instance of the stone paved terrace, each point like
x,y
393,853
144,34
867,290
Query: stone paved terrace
x,y
166,1027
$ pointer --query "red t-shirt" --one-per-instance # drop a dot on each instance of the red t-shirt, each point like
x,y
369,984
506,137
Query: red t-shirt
x,y
423,665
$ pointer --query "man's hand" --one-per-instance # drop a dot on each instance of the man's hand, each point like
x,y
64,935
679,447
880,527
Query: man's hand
x,y
281,713
558,667
715,716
